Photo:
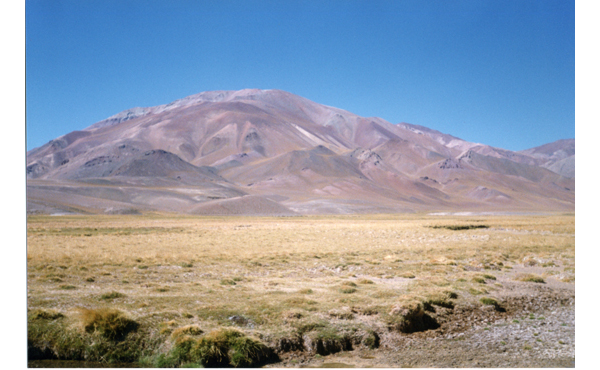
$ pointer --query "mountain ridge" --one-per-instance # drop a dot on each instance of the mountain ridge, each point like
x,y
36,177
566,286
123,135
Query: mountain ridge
x,y
292,153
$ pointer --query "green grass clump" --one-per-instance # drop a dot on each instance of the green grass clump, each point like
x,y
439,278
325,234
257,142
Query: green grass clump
x,y
475,291
371,340
112,295
228,282
187,330
306,327
41,314
219,348
110,323
365,281
491,302
531,278
438,300
68,287
347,290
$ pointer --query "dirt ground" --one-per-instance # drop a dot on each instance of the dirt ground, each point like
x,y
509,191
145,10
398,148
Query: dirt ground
x,y
536,331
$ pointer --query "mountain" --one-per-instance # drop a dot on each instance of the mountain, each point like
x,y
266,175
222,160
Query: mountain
x,y
558,156
269,152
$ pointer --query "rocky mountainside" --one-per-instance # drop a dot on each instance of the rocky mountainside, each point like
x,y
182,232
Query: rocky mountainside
x,y
269,152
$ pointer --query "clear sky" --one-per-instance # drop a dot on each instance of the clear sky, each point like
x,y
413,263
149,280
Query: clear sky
x,y
498,72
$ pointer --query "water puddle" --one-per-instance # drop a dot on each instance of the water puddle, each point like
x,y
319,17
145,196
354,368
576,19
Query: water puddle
x,y
329,365
335,365
76,364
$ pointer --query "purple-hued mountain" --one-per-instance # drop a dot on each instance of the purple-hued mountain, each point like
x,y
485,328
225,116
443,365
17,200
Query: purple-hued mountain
x,y
269,152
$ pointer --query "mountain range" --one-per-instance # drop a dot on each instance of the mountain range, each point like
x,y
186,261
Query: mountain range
x,y
270,152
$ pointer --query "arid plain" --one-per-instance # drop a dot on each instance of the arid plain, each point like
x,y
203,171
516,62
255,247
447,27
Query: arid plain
x,y
398,290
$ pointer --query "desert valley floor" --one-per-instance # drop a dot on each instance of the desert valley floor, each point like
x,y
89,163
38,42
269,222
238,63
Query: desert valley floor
x,y
312,291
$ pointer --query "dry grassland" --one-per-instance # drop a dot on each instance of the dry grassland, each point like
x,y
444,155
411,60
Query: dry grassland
x,y
333,279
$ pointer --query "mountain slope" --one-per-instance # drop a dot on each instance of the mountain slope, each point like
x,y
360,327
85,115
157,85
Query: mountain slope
x,y
558,157
208,152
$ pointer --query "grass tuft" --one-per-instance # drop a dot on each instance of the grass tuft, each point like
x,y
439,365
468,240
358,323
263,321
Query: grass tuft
x,y
112,295
365,281
228,282
41,314
531,278
219,348
187,330
492,302
110,323
68,287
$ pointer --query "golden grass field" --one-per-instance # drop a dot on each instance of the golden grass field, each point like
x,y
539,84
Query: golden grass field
x,y
274,279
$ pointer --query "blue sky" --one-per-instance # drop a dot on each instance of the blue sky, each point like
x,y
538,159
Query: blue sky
x,y
496,72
